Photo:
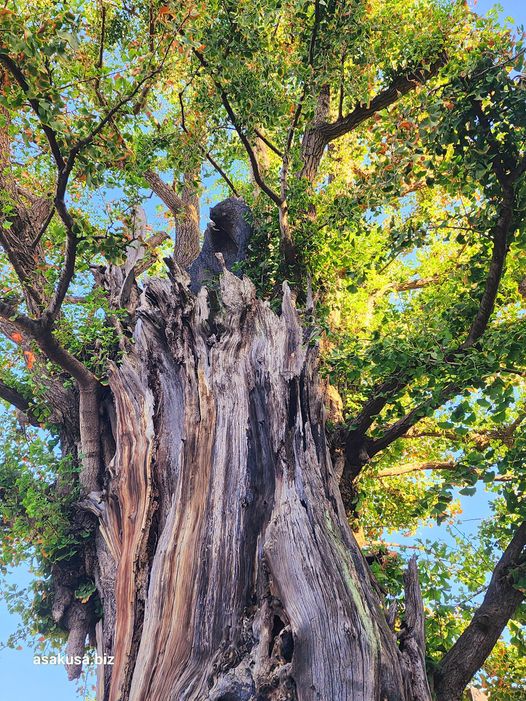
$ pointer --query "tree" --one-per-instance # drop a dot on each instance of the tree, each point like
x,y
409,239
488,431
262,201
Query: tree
x,y
197,438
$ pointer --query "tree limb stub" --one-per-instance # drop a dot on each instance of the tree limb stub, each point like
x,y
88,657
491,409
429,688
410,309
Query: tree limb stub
x,y
166,193
412,637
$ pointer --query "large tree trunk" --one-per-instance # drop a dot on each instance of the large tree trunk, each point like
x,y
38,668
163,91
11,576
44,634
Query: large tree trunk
x,y
226,565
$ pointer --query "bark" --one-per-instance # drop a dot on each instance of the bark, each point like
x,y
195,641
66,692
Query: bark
x,y
412,636
226,567
314,141
321,132
20,226
185,209
187,235
472,648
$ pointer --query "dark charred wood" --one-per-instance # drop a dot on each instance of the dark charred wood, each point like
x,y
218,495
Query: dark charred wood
x,y
228,234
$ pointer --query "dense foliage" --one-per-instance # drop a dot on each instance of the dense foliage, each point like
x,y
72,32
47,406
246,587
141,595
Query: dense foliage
x,y
394,255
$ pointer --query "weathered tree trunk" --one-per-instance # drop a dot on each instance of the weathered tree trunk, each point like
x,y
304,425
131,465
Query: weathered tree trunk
x,y
226,566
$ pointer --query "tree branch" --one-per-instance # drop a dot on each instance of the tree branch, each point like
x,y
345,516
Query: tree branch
x,y
376,402
166,193
418,467
269,143
431,465
222,173
320,135
401,85
9,312
240,132
11,396
400,427
470,651
500,248
50,133
417,284
43,336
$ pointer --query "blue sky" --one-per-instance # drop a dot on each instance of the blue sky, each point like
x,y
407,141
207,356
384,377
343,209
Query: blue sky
x,y
22,681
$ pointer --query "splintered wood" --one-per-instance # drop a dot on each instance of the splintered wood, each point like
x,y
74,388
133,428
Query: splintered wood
x,y
231,572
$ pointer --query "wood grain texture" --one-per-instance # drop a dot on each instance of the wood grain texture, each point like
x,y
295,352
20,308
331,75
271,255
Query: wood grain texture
x,y
412,637
227,567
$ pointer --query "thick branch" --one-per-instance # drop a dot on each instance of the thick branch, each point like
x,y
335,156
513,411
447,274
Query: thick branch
x,y
472,648
376,402
400,427
89,424
417,284
89,387
149,258
320,135
500,246
166,193
400,86
9,312
187,234
68,270
18,228
11,396
418,467
44,338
